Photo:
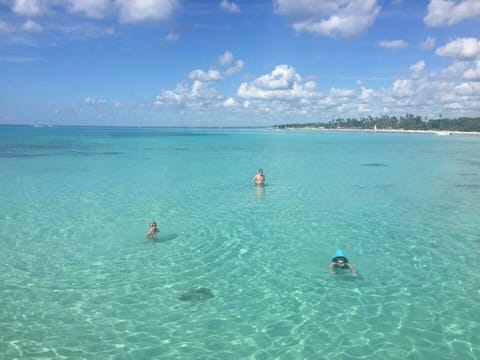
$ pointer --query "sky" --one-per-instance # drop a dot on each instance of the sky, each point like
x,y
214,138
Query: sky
x,y
236,62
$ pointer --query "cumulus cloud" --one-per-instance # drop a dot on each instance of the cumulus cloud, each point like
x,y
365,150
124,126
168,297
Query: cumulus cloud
x,y
450,12
197,91
342,93
454,90
394,44
418,67
175,96
133,11
230,102
31,26
205,76
428,44
228,61
331,18
196,96
282,83
468,89
473,74
27,26
229,6
285,93
403,88
128,11
31,7
461,49
366,95
91,8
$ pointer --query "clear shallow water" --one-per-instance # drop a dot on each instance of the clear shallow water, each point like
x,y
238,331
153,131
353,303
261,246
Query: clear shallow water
x,y
78,279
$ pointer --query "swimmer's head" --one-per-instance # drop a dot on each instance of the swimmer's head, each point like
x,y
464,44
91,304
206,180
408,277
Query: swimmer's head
x,y
260,171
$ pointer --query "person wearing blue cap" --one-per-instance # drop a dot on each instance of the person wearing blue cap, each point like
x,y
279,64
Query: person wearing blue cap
x,y
340,263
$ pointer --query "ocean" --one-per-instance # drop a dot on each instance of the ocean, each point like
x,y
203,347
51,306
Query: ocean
x,y
237,271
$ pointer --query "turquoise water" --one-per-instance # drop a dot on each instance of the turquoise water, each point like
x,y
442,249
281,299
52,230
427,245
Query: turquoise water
x,y
78,280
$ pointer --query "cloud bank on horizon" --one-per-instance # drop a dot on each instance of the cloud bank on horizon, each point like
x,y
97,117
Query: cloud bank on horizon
x,y
234,63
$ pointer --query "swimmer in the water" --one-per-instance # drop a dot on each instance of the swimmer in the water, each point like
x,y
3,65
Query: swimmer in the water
x,y
340,262
152,231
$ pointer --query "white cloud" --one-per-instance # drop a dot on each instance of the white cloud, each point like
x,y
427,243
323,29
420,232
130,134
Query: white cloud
x,y
468,89
473,74
394,44
235,68
282,77
230,102
461,49
31,26
418,67
444,91
284,94
128,11
205,76
362,108
454,72
228,61
175,96
27,26
332,18
403,88
31,7
428,44
197,96
449,12
229,6
91,8
134,11
366,95
342,93
197,92
283,83
93,101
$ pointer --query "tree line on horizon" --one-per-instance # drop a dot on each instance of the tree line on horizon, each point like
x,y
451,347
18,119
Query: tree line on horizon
x,y
406,122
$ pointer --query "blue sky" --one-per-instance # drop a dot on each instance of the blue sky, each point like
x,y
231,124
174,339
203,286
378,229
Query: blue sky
x,y
236,63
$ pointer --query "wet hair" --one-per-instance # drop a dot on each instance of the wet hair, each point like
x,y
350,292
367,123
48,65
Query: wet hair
x,y
336,258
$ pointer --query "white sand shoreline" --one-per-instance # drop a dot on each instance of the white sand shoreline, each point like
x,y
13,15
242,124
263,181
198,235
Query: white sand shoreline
x,y
438,132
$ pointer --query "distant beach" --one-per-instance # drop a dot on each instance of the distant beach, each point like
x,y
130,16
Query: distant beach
x,y
438,132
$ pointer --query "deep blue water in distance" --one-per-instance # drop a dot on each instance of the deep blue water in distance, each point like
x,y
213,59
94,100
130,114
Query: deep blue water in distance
x,y
78,279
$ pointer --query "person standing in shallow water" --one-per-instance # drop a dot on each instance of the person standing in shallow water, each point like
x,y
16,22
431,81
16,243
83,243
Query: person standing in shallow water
x,y
152,231
259,178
